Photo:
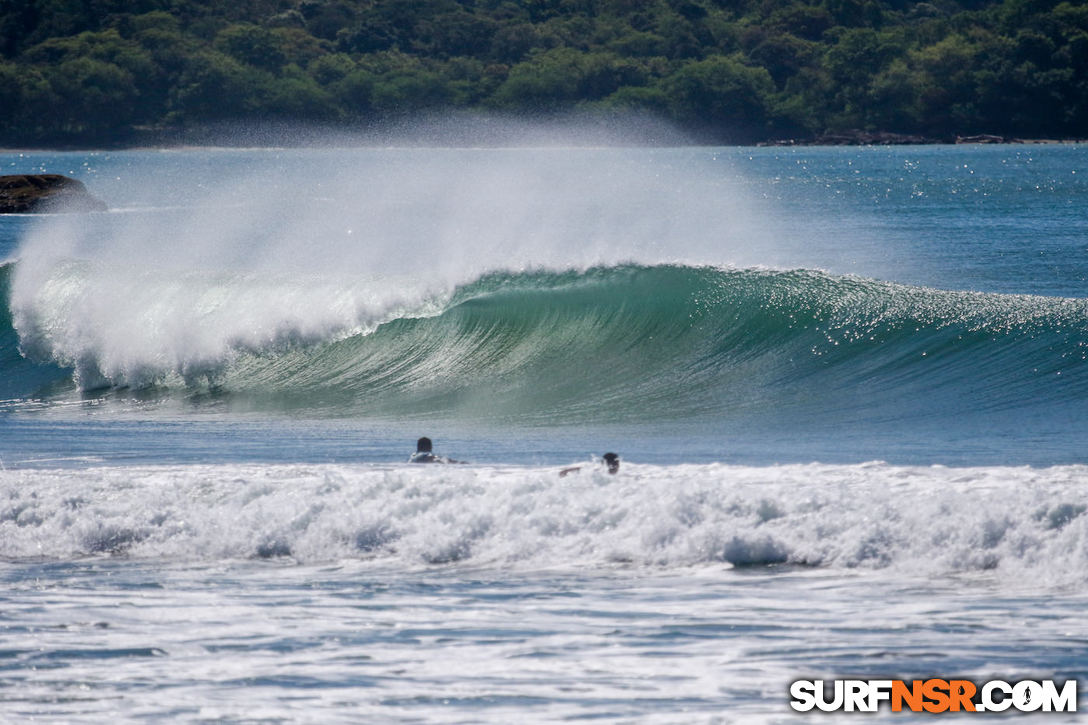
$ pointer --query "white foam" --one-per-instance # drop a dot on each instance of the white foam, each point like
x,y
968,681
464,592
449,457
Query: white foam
x,y
309,245
1008,522
132,326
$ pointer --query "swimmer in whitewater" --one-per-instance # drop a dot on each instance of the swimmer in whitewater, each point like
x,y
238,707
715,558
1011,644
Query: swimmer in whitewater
x,y
610,459
425,453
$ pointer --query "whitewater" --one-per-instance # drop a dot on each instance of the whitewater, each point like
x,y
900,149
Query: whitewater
x,y
848,389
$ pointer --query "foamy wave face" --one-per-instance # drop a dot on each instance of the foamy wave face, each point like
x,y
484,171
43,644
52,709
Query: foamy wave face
x,y
313,244
1010,522
129,326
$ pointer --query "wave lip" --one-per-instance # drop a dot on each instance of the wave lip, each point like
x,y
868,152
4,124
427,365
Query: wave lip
x,y
631,342
616,343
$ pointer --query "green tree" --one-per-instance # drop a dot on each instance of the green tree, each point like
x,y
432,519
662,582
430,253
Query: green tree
x,y
296,96
721,94
409,89
637,98
331,67
739,69
326,19
511,43
856,56
253,45
784,56
11,99
947,94
454,33
559,78
99,97
354,94
214,87
894,99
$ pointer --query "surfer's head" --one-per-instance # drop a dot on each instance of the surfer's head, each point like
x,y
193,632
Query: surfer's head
x,y
613,462
423,445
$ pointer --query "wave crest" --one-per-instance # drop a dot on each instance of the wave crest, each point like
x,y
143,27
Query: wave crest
x,y
1012,522
626,342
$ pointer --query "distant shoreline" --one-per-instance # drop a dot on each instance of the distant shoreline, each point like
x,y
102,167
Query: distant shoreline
x,y
883,138
347,139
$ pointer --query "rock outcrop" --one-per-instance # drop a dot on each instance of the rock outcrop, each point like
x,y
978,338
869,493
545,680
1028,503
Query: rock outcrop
x,y
35,193
856,138
986,138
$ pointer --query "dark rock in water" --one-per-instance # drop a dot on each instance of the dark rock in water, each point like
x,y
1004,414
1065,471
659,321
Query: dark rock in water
x,y
985,138
855,138
33,193
871,138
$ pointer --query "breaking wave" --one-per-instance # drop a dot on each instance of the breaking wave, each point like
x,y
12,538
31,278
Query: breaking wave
x,y
1027,524
625,343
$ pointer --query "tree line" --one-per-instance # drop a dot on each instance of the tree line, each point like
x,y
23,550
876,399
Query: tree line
x,y
77,71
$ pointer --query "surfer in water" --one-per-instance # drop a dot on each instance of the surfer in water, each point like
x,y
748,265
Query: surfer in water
x,y
425,453
610,459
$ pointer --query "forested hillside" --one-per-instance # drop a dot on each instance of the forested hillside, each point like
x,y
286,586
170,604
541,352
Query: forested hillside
x,y
92,71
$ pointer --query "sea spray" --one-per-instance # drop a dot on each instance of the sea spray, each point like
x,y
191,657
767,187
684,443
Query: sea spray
x,y
137,327
649,343
254,547
642,289
326,244
916,521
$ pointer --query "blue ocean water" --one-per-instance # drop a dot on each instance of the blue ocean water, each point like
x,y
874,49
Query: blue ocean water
x,y
848,386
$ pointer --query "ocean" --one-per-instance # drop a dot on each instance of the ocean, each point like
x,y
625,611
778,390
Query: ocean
x,y
848,388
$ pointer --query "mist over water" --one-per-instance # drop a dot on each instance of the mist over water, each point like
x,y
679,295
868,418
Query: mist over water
x,y
843,384
694,294
319,245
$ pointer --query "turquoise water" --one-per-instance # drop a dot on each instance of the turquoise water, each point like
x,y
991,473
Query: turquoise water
x,y
848,387
923,303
